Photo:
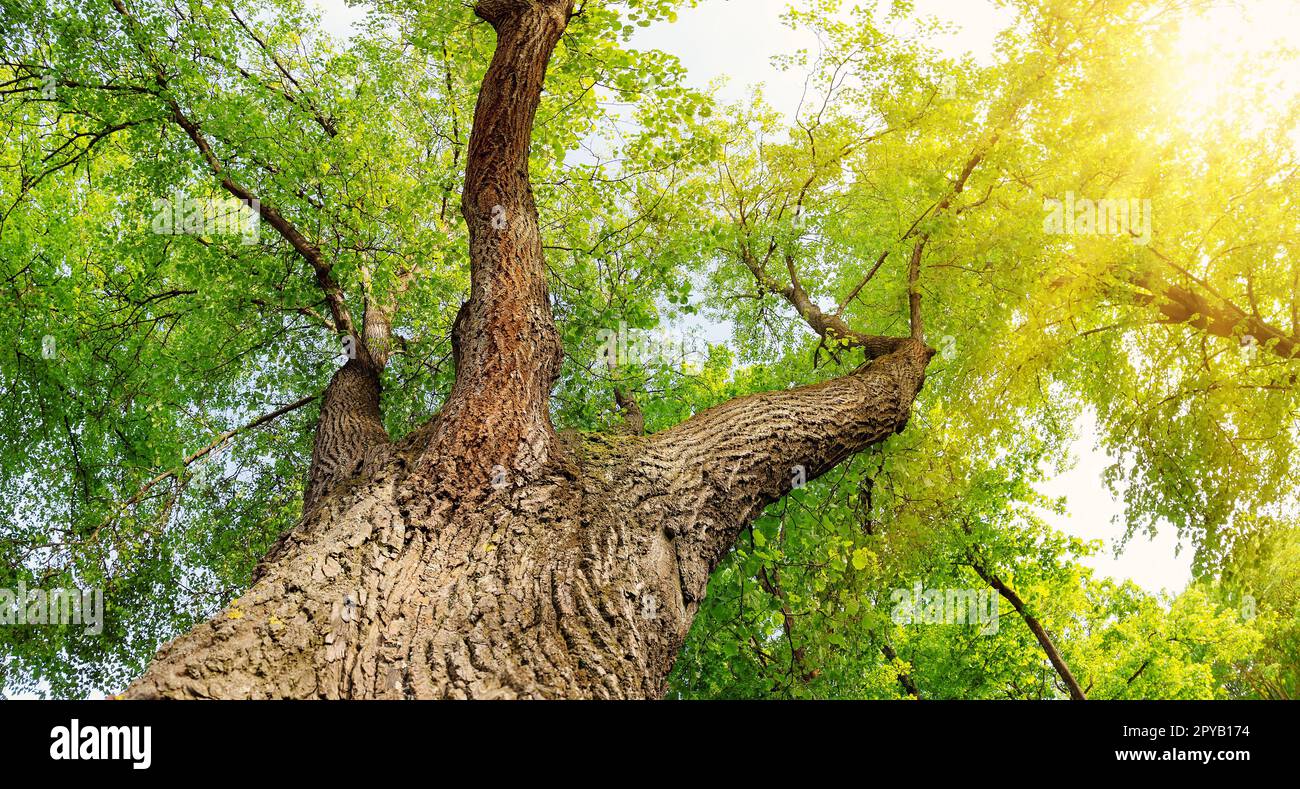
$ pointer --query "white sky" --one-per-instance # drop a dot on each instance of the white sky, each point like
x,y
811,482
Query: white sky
x,y
735,40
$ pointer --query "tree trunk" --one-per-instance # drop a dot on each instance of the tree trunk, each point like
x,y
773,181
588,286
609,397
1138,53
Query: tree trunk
x,y
485,555
579,582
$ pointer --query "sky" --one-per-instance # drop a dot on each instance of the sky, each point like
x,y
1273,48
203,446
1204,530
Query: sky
x,y
752,32
734,40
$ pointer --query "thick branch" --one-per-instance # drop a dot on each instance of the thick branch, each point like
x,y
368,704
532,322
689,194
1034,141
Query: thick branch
x,y
349,430
633,417
1220,317
719,469
508,351
305,248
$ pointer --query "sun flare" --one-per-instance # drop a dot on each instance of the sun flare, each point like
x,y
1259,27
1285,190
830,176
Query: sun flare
x,y
1237,66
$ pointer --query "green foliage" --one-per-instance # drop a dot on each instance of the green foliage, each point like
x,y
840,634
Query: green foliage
x,y
651,198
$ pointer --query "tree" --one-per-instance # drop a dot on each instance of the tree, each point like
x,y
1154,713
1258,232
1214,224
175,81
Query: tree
x,y
509,539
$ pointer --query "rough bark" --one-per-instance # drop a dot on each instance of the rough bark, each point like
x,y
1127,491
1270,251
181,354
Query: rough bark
x,y
507,350
485,555
350,428
580,583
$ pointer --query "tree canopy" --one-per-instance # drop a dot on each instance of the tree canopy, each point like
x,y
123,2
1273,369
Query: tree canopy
x,y
1072,225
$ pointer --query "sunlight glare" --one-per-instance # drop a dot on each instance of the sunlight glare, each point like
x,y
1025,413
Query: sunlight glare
x,y
1238,66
